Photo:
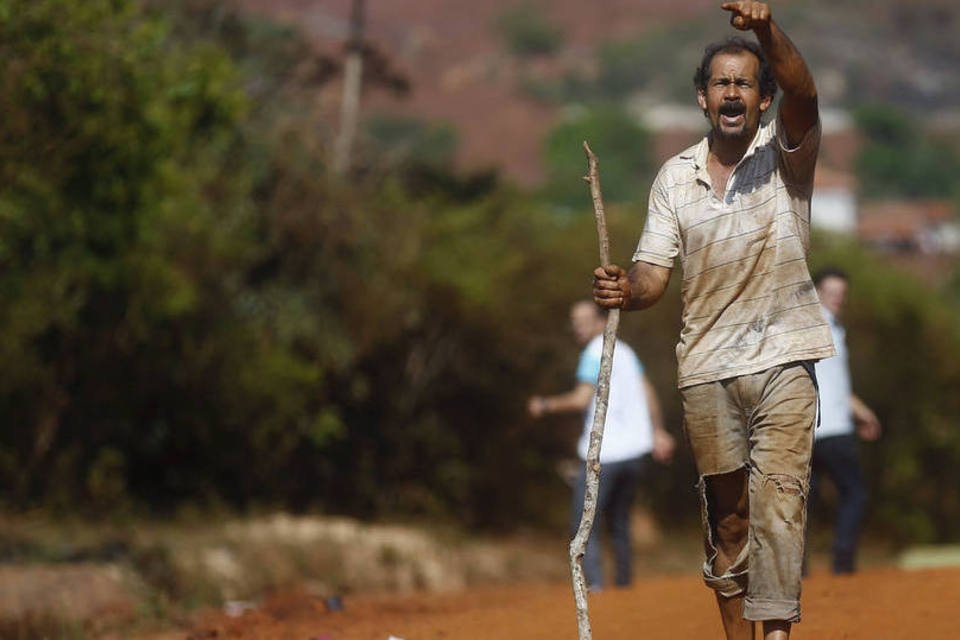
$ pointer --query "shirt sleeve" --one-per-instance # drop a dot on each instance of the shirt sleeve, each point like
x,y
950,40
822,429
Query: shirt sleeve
x,y
797,163
588,370
660,241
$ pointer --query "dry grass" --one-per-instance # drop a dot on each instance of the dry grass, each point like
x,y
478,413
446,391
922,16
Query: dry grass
x,y
77,580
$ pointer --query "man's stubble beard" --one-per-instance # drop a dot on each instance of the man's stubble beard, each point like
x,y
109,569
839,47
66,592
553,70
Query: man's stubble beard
x,y
733,108
744,134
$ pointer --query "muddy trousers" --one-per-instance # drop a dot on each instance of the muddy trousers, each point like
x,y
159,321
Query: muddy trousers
x,y
763,423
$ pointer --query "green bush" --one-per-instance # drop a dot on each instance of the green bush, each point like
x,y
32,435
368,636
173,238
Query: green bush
x,y
899,160
527,32
195,313
623,149
904,346
397,141
113,139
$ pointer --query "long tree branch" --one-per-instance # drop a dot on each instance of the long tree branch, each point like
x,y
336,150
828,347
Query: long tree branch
x,y
578,545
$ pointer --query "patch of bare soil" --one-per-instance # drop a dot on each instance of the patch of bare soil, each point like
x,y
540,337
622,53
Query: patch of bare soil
x,y
876,603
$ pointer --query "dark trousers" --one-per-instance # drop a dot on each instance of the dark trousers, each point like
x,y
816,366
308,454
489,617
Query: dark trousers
x,y
618,487
838,458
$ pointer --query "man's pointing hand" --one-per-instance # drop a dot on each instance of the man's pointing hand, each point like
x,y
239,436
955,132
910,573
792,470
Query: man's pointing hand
x,y
748,15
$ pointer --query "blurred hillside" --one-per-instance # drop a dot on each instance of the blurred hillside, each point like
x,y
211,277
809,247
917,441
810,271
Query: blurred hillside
x,y
467,64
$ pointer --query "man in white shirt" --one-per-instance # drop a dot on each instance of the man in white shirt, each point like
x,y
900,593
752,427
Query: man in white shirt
x,y
843,416
633,433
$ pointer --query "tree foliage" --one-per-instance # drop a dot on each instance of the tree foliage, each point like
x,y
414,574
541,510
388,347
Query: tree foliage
x,y
527,31
904,342
112,142
898,159
195,313
621,143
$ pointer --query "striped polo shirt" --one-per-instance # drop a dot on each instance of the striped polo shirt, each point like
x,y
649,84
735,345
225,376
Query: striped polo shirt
x,y
748,301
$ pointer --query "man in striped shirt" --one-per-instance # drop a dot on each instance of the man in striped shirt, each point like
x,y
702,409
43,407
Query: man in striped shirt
x,y
735,209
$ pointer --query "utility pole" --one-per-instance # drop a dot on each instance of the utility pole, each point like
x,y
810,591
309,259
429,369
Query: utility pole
x,y
352,85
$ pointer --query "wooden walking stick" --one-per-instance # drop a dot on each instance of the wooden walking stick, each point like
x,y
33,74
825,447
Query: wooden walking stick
x,y
578,545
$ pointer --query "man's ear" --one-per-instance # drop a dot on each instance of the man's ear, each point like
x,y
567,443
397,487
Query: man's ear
x,y
702,100
765,103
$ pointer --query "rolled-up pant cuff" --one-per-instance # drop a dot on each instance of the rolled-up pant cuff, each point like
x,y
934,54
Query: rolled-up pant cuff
x,y
733,582
758,609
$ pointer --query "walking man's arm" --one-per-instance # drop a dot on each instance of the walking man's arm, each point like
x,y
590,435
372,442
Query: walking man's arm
x,y
868,426
663,442
577,399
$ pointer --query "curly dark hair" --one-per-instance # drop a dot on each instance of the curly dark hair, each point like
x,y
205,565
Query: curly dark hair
x,y
736,44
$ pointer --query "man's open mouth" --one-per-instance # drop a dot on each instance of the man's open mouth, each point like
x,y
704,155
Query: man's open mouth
x,y
732,109
732,113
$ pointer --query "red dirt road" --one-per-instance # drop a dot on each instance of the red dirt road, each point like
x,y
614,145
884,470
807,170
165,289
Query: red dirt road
x,y
878,603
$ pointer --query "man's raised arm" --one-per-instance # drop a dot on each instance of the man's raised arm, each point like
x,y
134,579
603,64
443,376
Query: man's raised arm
x,y
798,109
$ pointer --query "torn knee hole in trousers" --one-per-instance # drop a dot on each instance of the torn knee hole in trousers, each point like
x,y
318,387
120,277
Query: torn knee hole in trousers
x,y
733,580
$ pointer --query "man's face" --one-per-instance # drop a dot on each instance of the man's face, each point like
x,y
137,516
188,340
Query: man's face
x,y
586,322
732,100
833,294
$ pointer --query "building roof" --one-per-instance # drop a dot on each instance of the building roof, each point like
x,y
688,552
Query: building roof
x,y
903,224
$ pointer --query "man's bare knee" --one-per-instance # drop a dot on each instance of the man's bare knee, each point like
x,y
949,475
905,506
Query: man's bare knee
x,y
731,532
728,509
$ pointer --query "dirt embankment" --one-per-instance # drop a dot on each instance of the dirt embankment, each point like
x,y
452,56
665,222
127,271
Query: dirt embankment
x,y
63,580
888,604
151,577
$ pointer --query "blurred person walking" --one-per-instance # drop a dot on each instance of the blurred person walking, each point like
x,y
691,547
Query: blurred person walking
x,y
843,417
633,436
735,209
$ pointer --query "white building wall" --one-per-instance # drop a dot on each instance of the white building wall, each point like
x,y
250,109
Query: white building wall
x,y
834,209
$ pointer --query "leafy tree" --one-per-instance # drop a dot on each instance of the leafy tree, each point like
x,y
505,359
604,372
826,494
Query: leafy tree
x,y
399,141
899,160
127,229
622,145
193,311
527,32
904,342
658,63
625,67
